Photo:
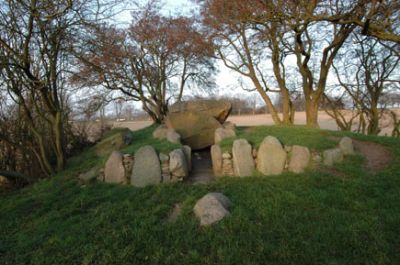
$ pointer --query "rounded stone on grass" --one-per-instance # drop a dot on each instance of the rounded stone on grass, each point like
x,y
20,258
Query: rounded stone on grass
x,y
212,208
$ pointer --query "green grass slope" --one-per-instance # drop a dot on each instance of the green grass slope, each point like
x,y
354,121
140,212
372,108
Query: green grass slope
x,y
351,217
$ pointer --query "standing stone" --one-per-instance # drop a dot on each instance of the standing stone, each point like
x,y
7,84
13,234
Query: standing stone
x,y
332,156
271,157
212,208
188,154
299,159
114,171
146,168
173,137
346,146
216,158
243,162
178,165
222,133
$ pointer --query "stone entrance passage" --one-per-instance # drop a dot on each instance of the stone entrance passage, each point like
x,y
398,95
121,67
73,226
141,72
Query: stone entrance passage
x,y
202,171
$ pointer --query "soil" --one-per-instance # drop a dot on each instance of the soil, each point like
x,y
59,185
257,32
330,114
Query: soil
x,y
202,172
378,156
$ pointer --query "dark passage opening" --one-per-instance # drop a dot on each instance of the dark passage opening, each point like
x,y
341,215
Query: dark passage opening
x,y
202,171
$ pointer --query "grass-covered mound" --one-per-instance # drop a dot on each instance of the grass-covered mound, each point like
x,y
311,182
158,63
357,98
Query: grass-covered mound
x,y
312,138
346,217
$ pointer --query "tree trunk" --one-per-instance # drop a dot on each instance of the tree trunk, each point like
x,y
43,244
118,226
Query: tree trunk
x,y
373,123
312,113
288,114
267,100
58,141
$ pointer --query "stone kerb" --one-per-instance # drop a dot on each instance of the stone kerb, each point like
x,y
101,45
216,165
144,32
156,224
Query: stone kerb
x,y
272,158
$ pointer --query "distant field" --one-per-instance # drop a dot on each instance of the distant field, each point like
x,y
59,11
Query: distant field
x,y
325,121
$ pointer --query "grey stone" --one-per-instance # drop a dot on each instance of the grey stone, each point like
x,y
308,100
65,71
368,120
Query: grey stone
x,y
212,208
163,158
288,148
226,156
316,157
114,170
177,164
187,150
299,159
89,176
216,158
160,132
332,156
166,175
173,137
271,157
116,141
128,161
346,146
227,167
222,133
146,168
243,162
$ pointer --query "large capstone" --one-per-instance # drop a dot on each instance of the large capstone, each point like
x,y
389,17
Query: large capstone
x,y
114,171
146,168
195,129
271,156
196,121
218,109
242,158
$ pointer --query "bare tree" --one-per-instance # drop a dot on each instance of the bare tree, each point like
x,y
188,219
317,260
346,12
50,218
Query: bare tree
x,y
36,39
156,56
244,44
366,72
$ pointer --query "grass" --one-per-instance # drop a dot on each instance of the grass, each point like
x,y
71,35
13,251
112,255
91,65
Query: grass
x,y
310,218
298,135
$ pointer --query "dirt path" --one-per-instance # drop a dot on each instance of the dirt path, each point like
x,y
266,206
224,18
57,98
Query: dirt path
x,y
378,156
202,172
